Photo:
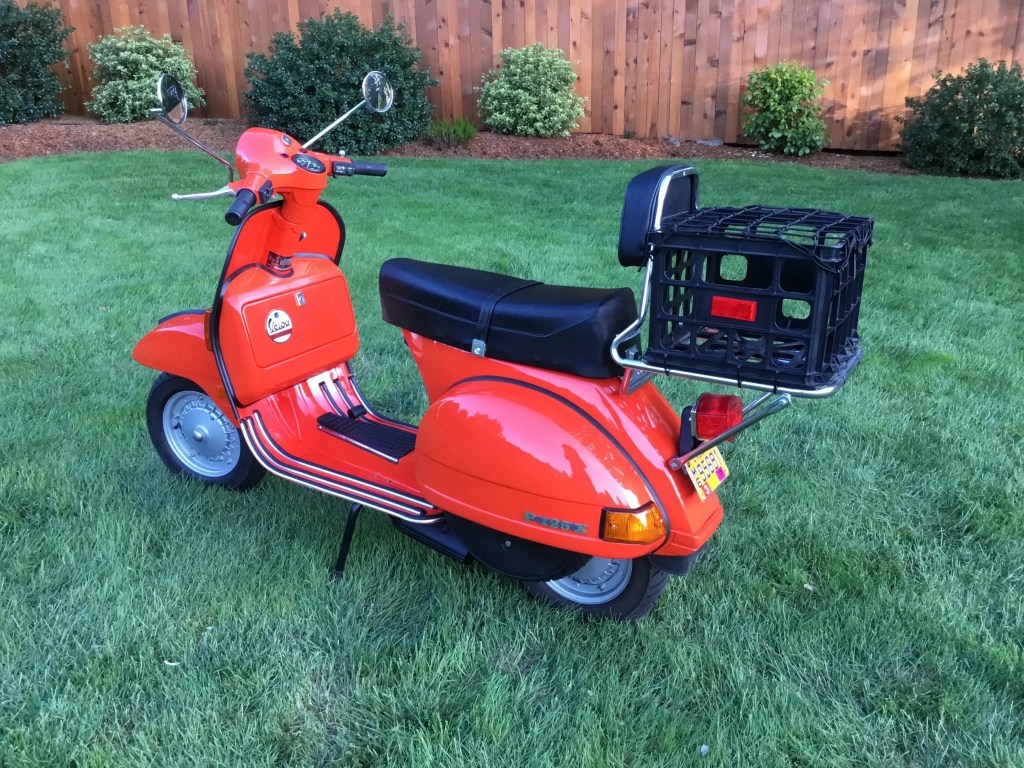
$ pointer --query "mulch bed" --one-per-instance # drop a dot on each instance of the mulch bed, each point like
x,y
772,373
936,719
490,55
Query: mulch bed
x,y
84,134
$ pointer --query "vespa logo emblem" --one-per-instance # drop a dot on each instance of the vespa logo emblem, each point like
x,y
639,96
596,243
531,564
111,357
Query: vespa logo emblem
x,y
279,326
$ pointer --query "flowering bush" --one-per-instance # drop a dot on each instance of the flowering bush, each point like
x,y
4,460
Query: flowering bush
x,y
531,93
127,65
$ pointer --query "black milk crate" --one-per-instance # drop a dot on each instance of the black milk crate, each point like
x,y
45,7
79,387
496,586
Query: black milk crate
x,y
759,295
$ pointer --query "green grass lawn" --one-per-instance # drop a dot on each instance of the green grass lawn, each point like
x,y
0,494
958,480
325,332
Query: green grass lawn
x,y
862,603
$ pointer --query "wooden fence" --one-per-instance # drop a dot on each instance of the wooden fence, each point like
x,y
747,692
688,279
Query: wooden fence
x,y
647,67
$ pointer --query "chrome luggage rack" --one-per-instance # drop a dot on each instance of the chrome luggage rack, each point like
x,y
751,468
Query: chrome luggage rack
x,y
633,360
806,257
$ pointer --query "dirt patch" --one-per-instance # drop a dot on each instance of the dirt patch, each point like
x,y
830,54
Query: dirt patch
x,y
597,146
84,134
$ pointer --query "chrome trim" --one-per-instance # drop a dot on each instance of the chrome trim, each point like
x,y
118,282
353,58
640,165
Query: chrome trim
x,y
633,330
158,115
333,125
362,486
757,402
322,484
776,405
686,170
632,380
222,192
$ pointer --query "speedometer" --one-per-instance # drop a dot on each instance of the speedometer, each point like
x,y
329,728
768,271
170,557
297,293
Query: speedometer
x,y
309,163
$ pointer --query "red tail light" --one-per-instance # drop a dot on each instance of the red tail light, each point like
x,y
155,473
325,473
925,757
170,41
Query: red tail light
x,y
713,414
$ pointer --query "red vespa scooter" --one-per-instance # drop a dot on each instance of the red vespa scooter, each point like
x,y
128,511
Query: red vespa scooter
x,y
545,452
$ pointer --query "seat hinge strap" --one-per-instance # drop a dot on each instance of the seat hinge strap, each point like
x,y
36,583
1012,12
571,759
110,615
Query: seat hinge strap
x,y
483,325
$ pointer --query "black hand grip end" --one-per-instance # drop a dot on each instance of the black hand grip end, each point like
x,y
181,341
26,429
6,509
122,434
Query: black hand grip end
x,y
370,169
244,200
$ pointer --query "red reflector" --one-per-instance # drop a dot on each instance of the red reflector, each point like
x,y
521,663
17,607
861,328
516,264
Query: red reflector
x,y
713,414
735,309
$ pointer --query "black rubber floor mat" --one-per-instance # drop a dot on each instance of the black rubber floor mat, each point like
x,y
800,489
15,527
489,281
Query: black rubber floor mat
x,y
388,441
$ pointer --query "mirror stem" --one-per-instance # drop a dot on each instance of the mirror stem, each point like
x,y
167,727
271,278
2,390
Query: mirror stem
x,y
158,115
333,125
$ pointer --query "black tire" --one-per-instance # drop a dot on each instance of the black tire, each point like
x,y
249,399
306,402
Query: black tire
x,y
632,595
219,454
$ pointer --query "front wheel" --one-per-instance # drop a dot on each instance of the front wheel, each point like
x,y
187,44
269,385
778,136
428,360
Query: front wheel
x,y
194,437
606,588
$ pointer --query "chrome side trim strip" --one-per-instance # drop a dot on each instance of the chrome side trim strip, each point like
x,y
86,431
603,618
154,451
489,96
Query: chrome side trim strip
x,y
259,439
338,477
317,484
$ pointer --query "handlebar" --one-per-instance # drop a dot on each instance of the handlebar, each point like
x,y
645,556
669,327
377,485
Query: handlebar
x,y
357,168
244,200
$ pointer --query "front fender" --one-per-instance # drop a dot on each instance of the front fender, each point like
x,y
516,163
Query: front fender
x,y
178,346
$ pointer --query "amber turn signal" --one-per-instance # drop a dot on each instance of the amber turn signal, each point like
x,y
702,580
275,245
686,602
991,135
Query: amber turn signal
x,y
634,526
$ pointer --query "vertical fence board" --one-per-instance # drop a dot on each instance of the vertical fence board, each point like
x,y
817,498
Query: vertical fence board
x,y
651,81
723,68
700,69
673,89
595,102
583,63
1009,14
1018,45
688,72
629,70
619,53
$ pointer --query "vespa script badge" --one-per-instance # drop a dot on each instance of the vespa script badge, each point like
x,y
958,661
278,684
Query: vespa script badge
x,y
279,326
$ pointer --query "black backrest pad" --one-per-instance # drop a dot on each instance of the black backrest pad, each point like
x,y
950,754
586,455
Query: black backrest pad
x,y
548,326
641,207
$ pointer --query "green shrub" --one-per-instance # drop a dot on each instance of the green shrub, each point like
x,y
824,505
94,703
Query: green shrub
x,y
127,65
531,93
31,42
784,112
451,133
306,83
969,124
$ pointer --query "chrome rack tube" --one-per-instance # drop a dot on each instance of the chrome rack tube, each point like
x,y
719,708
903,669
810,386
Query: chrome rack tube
x,y
756,414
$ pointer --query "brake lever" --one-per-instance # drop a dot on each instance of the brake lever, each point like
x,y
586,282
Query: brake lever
x,y
224,191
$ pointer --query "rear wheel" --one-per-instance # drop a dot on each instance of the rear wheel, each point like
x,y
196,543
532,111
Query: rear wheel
x,y
606,588
194,437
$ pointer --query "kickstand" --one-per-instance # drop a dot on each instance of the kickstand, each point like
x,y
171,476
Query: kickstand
x,y
346,540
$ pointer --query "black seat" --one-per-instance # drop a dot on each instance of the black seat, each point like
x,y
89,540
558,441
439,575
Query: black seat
x,y
549,326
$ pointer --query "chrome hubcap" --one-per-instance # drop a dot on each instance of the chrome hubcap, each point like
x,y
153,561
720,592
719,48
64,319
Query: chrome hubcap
x,y
199,435
599,581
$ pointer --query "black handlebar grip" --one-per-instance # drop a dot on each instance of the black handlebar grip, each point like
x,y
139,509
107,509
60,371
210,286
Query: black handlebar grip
x,y
357,168
370,169
244,200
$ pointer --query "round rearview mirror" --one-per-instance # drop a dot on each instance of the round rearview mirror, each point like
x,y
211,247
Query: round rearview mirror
x,y
377,92
170,95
